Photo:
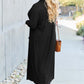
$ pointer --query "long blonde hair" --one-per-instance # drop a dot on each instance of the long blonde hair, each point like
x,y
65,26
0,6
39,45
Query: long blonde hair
x,y
52,9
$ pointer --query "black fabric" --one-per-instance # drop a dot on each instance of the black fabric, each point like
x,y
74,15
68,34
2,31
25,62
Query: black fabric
x,y
41,0
41,50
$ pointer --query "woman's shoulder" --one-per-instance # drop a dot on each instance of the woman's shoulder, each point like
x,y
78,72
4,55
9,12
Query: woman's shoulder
x,y
36,8
37,5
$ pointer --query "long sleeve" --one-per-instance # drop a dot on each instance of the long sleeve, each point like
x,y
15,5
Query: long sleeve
x,y
33,15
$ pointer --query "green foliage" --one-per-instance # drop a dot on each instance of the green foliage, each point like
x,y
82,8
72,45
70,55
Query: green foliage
x,y
82,28
77,3
76,14
66,2
80,24
71,4
80,31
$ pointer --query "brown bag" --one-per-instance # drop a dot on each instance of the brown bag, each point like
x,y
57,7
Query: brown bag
x,y
58,42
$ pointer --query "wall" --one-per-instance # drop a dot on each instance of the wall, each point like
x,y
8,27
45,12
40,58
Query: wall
x,y
13,34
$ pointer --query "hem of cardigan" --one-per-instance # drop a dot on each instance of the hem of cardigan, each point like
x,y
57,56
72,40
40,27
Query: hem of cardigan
x,y
31,80
34,81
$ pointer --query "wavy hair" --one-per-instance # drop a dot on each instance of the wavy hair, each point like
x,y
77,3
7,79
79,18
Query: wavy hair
x,y
52,9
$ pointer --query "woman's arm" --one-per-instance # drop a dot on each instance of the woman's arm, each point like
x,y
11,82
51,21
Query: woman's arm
x,y
33,15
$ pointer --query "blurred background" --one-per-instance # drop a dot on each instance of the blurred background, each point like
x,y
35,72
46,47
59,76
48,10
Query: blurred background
x,y
69,63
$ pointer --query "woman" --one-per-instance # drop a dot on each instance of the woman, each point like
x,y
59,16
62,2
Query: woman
x,y
42,38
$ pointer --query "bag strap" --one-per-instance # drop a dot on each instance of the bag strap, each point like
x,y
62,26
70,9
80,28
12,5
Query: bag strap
x,y
56,22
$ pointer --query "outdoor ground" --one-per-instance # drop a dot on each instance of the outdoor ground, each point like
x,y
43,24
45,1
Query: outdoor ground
x,y
69,63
